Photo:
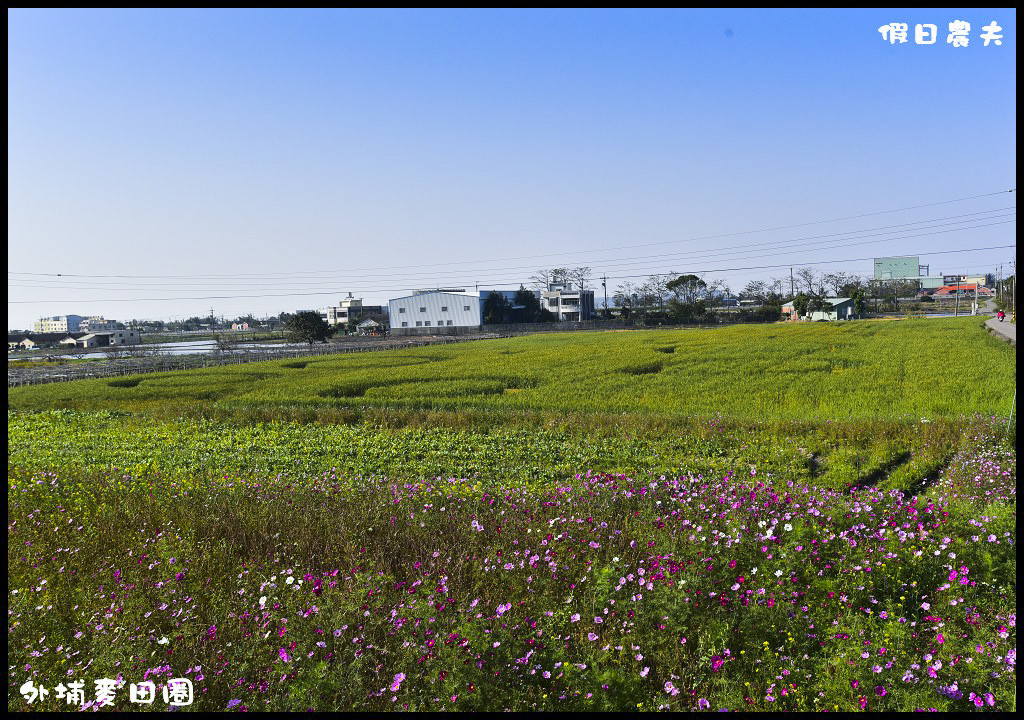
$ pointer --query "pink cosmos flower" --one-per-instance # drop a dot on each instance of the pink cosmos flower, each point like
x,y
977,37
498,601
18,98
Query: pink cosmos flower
x,y
397,682
716,662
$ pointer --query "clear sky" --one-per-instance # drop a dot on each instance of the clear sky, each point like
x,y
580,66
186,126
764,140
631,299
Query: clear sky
x,y
166,162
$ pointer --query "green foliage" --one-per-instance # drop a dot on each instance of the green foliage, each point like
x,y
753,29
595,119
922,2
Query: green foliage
x,y
599,521
801,304
307,327
839,372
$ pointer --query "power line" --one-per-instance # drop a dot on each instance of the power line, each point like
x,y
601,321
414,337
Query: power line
x,y
318,294
548,255
842,239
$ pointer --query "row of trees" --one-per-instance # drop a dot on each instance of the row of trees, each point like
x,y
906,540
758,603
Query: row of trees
x,y
524,308
211,322
672,297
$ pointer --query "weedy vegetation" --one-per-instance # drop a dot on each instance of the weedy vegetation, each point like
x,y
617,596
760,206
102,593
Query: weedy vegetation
x,y
812,517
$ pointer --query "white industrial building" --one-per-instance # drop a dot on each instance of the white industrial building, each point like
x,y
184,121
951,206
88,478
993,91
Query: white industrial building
x,y
426,310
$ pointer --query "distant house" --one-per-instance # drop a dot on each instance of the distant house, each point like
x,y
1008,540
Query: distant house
x,y
962,289
839,309
347,309
72,339
97,324
568,304
239,326
106,339
29,341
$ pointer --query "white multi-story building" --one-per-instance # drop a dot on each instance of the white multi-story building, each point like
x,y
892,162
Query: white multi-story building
x,y
427,310
58,324
349,308
568,304
97,324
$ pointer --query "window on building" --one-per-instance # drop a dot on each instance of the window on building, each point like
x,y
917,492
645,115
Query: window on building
x,y
449,322
426,323
444,308
423,309
466,308
401,310
419,323
405,324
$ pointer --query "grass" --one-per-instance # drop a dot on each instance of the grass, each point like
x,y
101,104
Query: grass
x,y
768,518
814,372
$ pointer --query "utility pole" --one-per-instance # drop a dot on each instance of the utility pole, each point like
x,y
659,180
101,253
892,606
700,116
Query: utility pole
x,y
792,292
604,284
956,308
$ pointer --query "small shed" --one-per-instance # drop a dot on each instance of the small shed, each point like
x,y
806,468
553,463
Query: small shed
x,y
370,326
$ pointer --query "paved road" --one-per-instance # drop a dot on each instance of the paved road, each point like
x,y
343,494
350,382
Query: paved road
x,y
1004,329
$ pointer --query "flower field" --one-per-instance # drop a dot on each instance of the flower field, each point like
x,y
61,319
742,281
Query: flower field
x,y
525,560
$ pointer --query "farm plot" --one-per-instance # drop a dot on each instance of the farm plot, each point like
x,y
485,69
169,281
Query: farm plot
x,y
794,519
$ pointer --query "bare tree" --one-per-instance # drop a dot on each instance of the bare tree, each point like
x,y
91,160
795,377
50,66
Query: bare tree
x,y
755,290
544,276
625,296
226,343
809,281
656,288
714,289
137,351
578,275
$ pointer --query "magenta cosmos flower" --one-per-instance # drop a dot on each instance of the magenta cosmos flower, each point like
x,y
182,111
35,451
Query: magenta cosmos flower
x,y
397,682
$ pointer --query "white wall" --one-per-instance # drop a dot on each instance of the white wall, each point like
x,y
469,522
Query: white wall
x,y
440,309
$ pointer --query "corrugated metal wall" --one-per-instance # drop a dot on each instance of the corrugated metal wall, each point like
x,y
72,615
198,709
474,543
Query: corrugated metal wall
x,y
439,309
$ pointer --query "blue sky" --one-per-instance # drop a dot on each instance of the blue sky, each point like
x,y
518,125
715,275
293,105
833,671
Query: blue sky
x,y
169,162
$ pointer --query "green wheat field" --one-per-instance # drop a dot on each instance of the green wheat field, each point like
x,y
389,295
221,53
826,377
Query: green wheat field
x,y
780,517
